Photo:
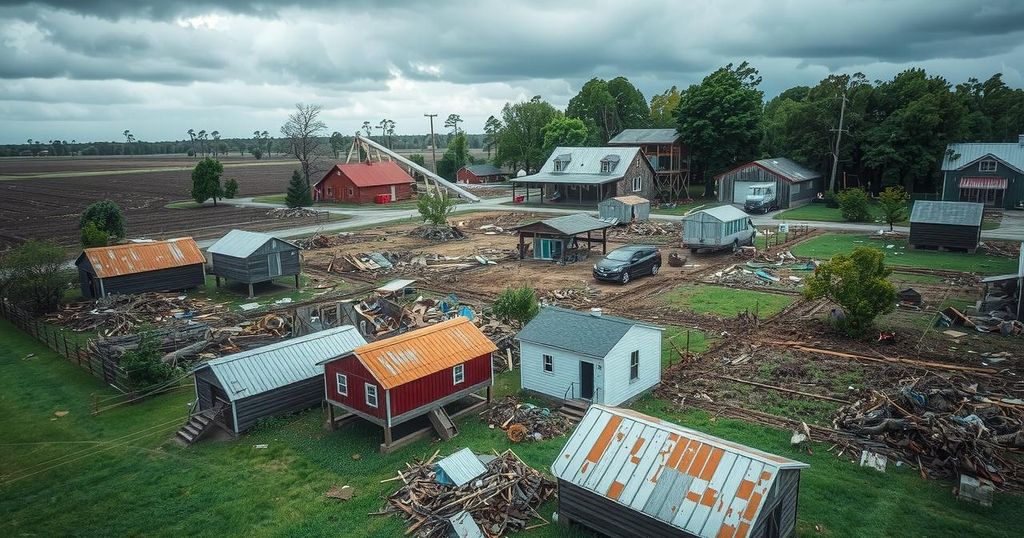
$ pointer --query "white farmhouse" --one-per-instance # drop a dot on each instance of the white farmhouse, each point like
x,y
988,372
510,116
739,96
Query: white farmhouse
x,y
589,356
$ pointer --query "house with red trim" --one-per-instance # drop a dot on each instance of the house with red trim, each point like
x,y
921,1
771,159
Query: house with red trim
x,y
985,173
795,184
392,381
363,182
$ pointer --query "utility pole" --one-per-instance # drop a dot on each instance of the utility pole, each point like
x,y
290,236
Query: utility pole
x,y
835,155
433,141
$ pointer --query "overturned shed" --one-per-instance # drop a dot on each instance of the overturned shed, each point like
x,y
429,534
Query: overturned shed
x,y
251,258
175,264
553,237
946,225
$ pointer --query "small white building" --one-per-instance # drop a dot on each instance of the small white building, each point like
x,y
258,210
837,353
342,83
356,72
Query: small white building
x,y
589,356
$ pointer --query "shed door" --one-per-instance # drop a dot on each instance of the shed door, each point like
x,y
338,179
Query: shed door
x,y
739,191
274,263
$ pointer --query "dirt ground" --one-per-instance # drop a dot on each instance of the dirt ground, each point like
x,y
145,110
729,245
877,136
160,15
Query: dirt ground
x,y
29,166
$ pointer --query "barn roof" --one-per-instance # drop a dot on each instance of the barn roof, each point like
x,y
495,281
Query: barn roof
x,y
584,166
701,484
576,223
961,155
484,170
241,243
786,168
131,258
955,213
579,332
724,213
266,368
371,174
645,136
416,354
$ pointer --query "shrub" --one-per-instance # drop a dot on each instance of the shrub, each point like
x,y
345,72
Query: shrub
x,y
516,305
93,236
33,275
858,283
435,207
142,366
230,188
106,216
854,205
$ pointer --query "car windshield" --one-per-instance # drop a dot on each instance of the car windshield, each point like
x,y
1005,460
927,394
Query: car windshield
x,y
621,255
759,191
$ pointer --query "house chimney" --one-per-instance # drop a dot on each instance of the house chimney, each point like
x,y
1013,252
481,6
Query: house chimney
x,y
596,312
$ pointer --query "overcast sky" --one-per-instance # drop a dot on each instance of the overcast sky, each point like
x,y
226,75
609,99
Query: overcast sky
x,y
89,69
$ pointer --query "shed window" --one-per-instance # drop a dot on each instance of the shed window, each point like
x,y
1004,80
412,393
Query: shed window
x,y
634,365
351,192
988,166
342,383
549,364
371,395
458,374
638,184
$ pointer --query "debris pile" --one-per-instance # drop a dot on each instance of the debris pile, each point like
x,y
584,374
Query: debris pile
x,y
571,297
647,228
504,499
764,274
332,240
437,233
118,314
944,426
367,261
524,421
293,212
1010,250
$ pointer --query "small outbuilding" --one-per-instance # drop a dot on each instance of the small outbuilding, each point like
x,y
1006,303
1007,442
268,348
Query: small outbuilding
x,y
364,183
795,184
252,257
553,237
282,378
625,209
139,267
718,228
480,173
397,379
943,225
623,473
589,356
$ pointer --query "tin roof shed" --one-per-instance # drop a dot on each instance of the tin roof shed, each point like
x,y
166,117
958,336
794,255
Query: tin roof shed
x,y
242,243
141,257
955,213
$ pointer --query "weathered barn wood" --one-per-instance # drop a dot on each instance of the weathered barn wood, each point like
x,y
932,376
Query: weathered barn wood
x,y
795,185
251,258
667,155
946,224
175,264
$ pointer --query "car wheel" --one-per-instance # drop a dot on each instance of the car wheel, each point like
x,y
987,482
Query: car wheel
x,y
625,277
735,245
654,269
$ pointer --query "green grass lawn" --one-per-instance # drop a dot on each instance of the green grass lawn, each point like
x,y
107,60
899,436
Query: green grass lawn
x,y
404,204
823,213
824,246
115,474
726,302
233,293
674,341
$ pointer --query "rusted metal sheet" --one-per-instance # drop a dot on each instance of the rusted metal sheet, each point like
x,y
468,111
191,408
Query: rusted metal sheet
x,y
134,258
699,484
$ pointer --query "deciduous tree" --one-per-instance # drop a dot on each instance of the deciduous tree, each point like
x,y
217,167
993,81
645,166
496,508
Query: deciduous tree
x,y
516,305
206,181
563,131
893,203
858,283
434,207
520,141
33,275
107,216
304,132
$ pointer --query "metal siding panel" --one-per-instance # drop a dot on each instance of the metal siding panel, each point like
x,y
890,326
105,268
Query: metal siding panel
x,y
133,258
728,480
601,466
641,484
702,512
738,504
578,466
610,471
561,466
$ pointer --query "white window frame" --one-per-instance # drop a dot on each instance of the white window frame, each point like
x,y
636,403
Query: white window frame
x,y
638,184
368,389
634,363
548,364
993,162
341,380
560,165
458,374
607,166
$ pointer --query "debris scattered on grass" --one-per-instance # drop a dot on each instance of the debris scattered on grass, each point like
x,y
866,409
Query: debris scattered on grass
x,y
342,493
525,421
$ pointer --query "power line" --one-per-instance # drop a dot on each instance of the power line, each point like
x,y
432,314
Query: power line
x,y
839,136
433,141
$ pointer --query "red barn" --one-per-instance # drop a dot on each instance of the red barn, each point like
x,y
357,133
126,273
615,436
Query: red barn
x,y
479,173
391,381
362,182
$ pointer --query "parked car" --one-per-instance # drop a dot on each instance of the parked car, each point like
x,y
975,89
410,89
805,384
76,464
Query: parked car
x,y
761,198
624,264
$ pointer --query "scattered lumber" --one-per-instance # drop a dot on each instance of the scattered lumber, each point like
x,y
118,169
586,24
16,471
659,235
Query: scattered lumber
x,y
524,421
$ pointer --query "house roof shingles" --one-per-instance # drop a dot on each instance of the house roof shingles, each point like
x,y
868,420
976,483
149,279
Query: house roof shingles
x,y
131,258
579,332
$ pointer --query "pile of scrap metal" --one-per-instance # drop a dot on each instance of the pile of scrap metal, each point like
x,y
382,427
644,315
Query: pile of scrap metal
x,y
118,314
469,495
369,261
764,274
524,421
437,233
997,321
944,426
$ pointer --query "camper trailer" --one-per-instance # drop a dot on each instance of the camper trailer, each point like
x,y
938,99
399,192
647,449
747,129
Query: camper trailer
x,y
760,197
718,228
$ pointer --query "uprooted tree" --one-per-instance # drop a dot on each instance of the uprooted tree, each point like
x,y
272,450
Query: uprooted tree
x,y
516,305
434,207
858,284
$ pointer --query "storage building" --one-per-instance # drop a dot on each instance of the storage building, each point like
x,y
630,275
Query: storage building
x,y
175,264
586,176
284,377
589,356
667,155
553,238
625,209
623,473
394,380
795,184
990,173
251,258
364,183
480,173
946,224
718,228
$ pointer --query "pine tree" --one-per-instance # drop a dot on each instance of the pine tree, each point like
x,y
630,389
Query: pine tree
x,y
298,193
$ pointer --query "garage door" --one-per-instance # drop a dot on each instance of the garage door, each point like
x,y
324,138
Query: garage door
x,y
739,191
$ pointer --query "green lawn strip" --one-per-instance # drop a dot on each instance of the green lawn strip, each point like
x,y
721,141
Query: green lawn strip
x,y
726,302
233,294
824,246
53,175
674,341
824,213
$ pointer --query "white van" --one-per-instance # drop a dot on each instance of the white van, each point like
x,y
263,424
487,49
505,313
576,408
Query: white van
x,y
761,197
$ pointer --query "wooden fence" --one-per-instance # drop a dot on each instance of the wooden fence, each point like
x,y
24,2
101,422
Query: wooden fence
x,y
73,351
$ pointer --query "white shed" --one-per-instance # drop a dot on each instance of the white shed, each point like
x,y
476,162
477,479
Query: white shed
x,y
589,356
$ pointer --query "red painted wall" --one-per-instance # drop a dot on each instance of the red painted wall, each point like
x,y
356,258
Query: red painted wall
x,y
465,176
339,188
357,376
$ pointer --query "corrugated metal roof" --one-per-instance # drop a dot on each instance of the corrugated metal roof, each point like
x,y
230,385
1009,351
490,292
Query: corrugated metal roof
x,y
576,223
462,466
266,368
579,332
645,136
484,170
134,258
964,154
629,200
704,485
464,526
241,243
410,356
371,174
789,169
956,213
396,285
584,166
724,213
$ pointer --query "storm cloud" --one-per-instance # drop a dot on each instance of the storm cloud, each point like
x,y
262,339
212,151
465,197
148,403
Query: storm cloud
x,y
89,69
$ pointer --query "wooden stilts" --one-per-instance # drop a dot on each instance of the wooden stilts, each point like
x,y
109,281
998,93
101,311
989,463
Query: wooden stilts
x,y
296,281
251,294
387,436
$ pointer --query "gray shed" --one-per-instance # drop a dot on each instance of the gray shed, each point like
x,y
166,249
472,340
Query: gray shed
x,y
718,227
795,184
251,257
625,209
271,380
946,225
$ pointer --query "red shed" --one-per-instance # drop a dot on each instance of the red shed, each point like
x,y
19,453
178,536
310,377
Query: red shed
x,y
480,173
362,182
391,381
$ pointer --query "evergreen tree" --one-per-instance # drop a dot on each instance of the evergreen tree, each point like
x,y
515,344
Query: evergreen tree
x,y
298,194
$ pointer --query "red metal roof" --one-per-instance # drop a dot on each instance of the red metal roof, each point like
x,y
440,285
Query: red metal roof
x,y
983,183
367,174
133,258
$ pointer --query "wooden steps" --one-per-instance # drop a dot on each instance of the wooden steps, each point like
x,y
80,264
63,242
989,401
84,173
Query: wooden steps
x,y
443,424
198,425
574,409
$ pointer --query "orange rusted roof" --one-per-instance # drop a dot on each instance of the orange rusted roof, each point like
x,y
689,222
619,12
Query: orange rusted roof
x,y
700,484
410,356
133,258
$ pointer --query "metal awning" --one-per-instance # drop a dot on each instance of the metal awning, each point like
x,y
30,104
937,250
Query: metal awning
x,y
395,286
988,183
